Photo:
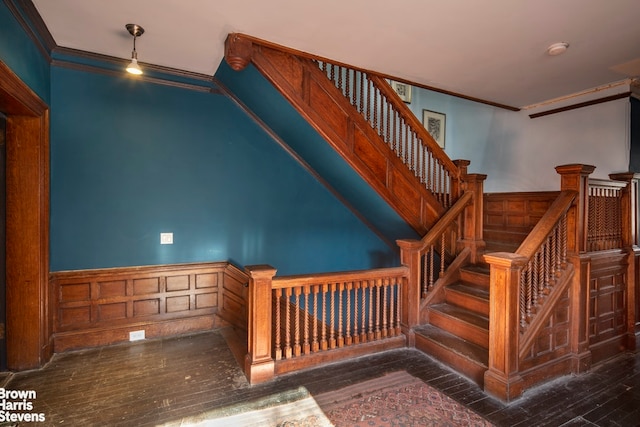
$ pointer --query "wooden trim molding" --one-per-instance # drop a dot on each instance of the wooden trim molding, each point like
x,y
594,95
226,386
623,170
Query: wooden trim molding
x,y
581,105
27,229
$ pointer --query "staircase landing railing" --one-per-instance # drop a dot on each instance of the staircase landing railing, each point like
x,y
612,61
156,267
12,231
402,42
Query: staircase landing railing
x,y
300,321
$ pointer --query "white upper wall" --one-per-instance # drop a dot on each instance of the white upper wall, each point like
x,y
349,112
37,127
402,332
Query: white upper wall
x,y
519,153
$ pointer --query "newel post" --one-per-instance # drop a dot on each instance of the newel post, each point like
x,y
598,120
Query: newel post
x,y
410,300
575,177
629,210
503,379
259,365
472,233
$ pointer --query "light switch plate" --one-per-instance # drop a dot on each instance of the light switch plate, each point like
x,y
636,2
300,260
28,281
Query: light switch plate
x,y
166,238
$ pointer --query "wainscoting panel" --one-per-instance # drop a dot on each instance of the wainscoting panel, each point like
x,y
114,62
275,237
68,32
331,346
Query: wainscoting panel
x,y
100,307
509,217
607,304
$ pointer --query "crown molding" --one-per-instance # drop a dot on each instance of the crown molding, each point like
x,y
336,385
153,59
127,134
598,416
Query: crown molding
x,y
25,13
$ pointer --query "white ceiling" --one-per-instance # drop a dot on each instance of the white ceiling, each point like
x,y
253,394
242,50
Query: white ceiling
x,y
490,49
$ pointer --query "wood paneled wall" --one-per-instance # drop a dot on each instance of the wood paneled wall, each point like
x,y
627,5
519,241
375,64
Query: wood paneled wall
x,y
509,217
607,306
100,307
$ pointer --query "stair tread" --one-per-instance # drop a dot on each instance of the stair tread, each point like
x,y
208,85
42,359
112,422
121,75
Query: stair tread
x,y
477,269
471,351
462,314
470,289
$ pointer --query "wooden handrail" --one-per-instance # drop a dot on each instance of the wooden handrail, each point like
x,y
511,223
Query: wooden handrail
x,y
281,282
446,221
539,233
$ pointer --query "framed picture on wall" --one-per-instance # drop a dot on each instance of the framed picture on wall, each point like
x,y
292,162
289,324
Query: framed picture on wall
x,y
403,90
435,123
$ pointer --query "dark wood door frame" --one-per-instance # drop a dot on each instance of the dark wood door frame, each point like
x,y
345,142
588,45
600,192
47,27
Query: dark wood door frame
x,y
29,323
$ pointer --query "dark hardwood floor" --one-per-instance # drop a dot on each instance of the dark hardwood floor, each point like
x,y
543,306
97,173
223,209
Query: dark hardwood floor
x,y
163,382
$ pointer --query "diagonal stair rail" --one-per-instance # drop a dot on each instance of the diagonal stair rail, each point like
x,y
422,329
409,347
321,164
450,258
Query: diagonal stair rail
x,y
365,121
372,96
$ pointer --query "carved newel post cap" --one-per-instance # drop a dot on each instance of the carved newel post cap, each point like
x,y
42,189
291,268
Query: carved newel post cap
x,y
237,51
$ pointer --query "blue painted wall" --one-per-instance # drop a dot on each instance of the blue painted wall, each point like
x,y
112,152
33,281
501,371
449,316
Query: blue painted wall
x,y
130,160
19,52
266,102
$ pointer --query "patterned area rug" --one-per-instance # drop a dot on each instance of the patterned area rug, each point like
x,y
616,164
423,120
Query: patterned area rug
x,y
397,399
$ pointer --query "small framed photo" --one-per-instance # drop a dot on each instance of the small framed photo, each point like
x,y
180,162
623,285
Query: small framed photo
x,y
435,123
403,90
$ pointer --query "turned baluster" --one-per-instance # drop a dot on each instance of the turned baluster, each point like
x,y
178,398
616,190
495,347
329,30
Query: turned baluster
x,y
297,348
348,338
340,338
307,309
277,349
287,324
384,289
323,340
315,345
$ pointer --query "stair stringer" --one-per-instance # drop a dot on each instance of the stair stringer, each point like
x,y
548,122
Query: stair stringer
x,y
326,109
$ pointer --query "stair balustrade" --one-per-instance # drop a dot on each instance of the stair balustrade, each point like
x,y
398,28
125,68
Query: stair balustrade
x,y
297,320
373,98
604,215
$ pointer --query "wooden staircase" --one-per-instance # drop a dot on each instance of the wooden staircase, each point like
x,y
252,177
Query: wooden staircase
x,y
526,324
457,332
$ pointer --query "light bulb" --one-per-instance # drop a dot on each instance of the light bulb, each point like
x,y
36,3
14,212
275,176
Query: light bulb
x,y
134,68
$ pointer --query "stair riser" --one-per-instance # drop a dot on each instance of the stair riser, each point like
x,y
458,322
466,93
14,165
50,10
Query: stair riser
x,y
460,328
470,369
476,279
470,302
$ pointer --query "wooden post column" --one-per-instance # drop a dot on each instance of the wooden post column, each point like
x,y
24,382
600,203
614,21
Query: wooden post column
x,y
410,300
630,243
576,177
502,379
259,365
472,233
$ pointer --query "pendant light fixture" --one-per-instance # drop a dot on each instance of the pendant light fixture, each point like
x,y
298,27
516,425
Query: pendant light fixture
x,y
136,31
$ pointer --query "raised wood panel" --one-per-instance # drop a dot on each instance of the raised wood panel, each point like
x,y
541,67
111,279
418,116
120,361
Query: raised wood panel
x,y
370,156
111,289
116,300
607,297
206,300
509,217
233,297
75,292
146,307
177,283
207,280
181,303
73,316
148,285
553,340
287,65
405,192
336,118
112,311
